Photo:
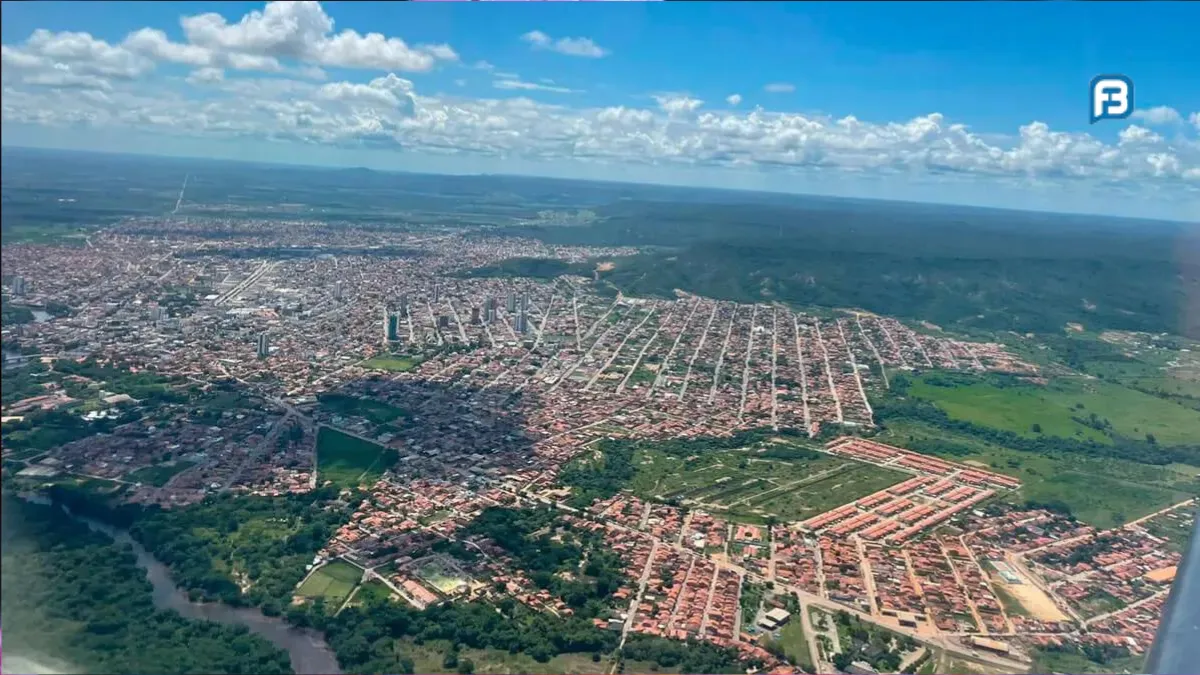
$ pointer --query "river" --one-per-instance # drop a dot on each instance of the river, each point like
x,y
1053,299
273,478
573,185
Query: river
x,y
305,647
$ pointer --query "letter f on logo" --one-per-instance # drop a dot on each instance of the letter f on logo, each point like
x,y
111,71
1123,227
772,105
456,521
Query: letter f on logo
x,y
1112,97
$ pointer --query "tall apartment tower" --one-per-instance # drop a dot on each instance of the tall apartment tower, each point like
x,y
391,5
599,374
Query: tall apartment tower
x,y
337,290
264,346
404,304
512,303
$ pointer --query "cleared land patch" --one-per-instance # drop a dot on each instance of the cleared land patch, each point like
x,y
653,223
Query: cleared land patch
x,y
741,483
373,411
1104,492
1068,407
348,461
158,474
334,582
395,364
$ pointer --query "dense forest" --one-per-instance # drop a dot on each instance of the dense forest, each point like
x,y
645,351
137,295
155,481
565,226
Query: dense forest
x,y
365,638
687,657
968,268
545,548
73,595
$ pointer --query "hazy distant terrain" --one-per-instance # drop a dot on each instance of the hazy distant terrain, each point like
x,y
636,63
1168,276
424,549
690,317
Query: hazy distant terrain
x,y
974,268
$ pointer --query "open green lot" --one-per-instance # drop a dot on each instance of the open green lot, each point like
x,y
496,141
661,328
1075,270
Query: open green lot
x,y
1104,492
376,412
743,484
429,658
158,474
349,461
1067,406
334,582
395,364
1047,661
795,646
1175,527
372,590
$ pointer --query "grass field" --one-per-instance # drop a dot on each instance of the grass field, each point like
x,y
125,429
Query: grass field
x,y
374,411
349,461
334,582
1075,662
1055,406
159,474
427,658
373,589
395,364
1103,492
742,485
1173,526
795,646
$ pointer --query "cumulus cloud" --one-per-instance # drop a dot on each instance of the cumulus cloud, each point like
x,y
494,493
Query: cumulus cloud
x,y
70,59
206,75
74,79
571,46
676,104
299,32
1158,115
779,88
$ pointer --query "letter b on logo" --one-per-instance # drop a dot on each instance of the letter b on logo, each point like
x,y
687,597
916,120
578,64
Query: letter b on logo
x,y
1112,97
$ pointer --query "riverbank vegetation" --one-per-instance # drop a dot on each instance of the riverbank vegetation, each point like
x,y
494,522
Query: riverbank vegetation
x,y
377,636
236,549
74,595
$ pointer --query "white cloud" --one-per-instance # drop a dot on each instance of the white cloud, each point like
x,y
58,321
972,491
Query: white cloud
x,y
779,88
677,104
299,32
1158,115
571,46
207,75
74,60
509,81
62,79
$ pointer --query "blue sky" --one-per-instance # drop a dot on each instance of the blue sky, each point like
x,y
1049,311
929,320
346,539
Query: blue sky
x,y
982,103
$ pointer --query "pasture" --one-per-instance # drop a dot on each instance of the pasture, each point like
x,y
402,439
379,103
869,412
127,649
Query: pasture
x,y
349,461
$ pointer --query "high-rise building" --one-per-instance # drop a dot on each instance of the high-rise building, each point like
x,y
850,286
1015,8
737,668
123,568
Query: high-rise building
x,y
337,290
437,293
18,285
512,303
522,323
474,316
404,304
443,321
525,302
264,346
